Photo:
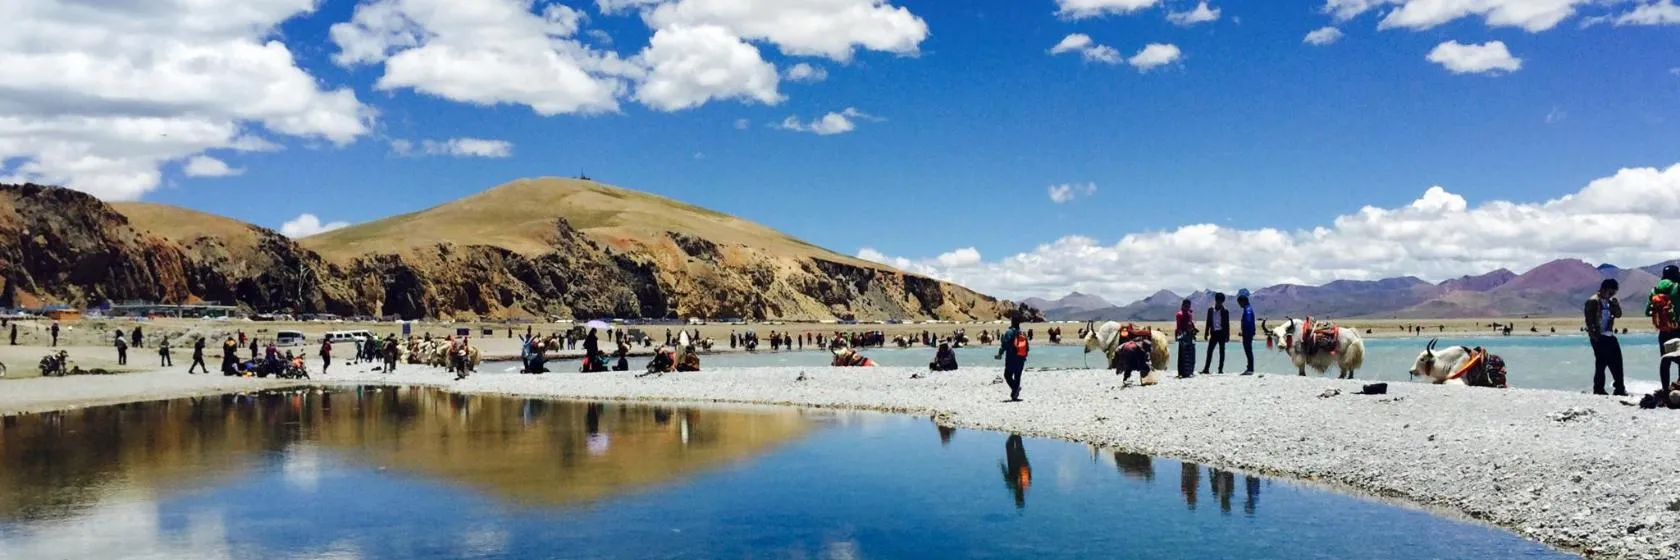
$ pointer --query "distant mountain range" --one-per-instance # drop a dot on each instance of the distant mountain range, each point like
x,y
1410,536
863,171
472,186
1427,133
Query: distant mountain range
x,y
1069,304
1554,289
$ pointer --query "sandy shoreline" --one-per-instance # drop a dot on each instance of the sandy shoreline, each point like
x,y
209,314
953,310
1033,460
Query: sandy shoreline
x,y
1574,471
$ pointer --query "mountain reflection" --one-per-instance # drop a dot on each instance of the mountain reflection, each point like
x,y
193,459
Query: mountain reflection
x,y
527,452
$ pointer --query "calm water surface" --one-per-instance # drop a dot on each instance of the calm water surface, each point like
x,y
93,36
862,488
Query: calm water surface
x,y
419,473
1561,362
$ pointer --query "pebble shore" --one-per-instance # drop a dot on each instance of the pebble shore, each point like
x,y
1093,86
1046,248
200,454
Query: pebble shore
x,y
1583,473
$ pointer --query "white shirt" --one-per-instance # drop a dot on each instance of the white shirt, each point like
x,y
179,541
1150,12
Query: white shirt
x,y
1604,318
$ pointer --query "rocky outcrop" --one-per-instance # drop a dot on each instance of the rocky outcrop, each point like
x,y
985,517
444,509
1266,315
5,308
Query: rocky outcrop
x,y
58,245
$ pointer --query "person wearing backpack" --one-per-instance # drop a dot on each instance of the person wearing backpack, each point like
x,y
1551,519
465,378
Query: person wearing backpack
x,y
1014,356
1661,306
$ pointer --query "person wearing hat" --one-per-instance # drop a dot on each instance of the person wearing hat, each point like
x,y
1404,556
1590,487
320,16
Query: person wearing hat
x,y
1601,312
1248,330
1669,287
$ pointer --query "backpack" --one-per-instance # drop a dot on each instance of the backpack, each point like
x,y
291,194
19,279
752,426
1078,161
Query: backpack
x,y
1663,313
1021,344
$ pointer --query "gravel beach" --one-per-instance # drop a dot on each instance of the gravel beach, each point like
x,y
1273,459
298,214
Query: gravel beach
x,y
1579,472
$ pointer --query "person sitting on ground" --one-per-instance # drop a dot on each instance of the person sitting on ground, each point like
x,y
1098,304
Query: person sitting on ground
x,y
623,355
846,357
945,359
664,361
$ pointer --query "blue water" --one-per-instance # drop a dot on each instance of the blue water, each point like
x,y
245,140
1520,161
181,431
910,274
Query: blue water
x,y
1561,362
416,473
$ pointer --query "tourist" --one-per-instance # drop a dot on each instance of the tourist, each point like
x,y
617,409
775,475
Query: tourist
x,y
1602,310
198,356
1219,331
254,348
1661,306
163,353
136,336
944,359
391,351
1017,472
326,354
122,351
1184,330
55,334
14,334
1015,348
230,358
1247,329
592,352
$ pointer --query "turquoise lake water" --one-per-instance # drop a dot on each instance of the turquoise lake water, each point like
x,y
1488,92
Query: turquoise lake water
x,y
1536,362
419,473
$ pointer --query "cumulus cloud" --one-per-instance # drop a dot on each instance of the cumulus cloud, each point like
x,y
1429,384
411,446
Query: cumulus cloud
x,y
1624,218
1081,9
829,124
835,29
1068,192
1664,12
1088,49
206,166
100,96
457,147
807,73
1155,55
1530,15
1490,57
1323,36
688,66
485,52
1201,14
742,124
306,225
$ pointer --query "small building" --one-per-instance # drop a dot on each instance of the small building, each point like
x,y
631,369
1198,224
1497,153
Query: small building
x,y
207,309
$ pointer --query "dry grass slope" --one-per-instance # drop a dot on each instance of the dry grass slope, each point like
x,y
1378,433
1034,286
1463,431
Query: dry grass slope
x,y
185,226
519,216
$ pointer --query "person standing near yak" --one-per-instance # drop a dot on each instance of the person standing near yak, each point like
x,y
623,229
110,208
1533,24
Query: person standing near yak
x,y
1218,331
1184,330
1013,352
1247,329
1601,311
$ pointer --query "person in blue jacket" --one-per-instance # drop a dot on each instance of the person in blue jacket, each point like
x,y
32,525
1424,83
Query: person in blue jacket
x,y
1013,352
1247,329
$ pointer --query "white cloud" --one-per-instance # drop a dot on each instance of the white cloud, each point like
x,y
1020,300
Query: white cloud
x,y
1625,218
829,28
306,225
484,52
829,124
457,147
742,124
1155,55
1068,192
1490,57
807,73
1201,14
1089,50
100,96
1323,36
1080,9
1531,15
1664,12
206,166
689,66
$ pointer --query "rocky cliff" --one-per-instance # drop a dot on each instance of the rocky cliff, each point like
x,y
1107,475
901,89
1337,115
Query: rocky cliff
x,y
58,245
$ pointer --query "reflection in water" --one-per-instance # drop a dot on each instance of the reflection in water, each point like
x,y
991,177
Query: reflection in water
x,y
528,452
1252,499
1133,465
945,433
1189,482
1220,482
1017,473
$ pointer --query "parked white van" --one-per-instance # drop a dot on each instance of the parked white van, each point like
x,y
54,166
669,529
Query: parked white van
x,y
288,338
348,336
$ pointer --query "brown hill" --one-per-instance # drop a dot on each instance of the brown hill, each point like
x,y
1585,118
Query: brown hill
x,y
512,251
577,248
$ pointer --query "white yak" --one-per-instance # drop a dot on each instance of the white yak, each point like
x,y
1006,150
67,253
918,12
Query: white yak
x,y
1348,355
1107,338
1453,366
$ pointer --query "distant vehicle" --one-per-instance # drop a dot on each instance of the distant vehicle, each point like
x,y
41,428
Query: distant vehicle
x,y
288,338
348,336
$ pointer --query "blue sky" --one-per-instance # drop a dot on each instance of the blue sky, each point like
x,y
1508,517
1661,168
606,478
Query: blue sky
x,y
958,134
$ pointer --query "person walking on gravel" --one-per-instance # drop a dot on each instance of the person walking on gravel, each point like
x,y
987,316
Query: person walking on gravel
x,y
1601,311
198,356
1013,352
122,351
326,355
